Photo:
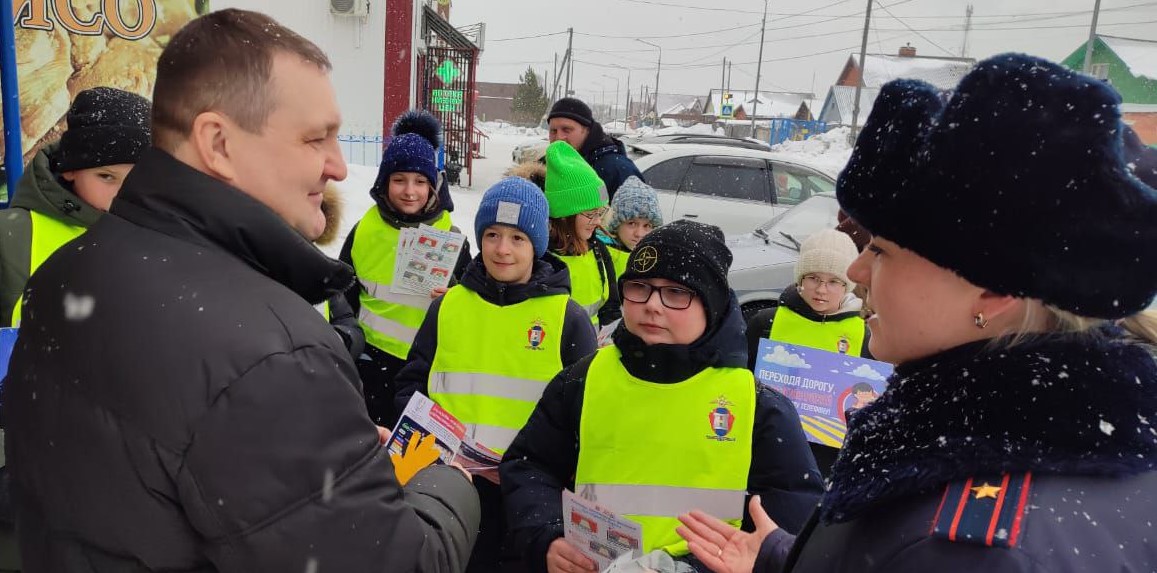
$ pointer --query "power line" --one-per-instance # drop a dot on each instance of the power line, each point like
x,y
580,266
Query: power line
x,y
632,37
526,37
905,24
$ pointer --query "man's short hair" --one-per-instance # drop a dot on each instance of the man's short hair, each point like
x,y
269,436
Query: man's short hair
x,y
222,62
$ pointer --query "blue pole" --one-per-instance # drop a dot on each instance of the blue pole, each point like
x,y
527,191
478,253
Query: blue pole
x,y
13,153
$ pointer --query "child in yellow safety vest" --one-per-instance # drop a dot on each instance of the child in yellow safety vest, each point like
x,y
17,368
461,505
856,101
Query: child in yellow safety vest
x,y
578,201
488,347
409,191
818,310
634,213
664,420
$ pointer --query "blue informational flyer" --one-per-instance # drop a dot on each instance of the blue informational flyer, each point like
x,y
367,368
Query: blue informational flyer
x,y
822,385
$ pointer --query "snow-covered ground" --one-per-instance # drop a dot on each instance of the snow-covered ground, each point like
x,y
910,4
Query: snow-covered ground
x,y
829,150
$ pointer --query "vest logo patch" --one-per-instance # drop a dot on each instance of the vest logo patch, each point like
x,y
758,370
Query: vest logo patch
x,y
535,336
721,420
645,259
843,345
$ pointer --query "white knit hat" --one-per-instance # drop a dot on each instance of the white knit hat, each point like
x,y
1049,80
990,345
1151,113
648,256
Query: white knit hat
x,y
828,251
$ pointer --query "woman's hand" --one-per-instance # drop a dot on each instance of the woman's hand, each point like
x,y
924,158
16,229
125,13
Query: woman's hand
x,y
721,547
562,557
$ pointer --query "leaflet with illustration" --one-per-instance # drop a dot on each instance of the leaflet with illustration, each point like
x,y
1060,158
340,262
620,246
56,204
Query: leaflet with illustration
x,y
426,258
423,417
604,336
479,460
597,532
824,386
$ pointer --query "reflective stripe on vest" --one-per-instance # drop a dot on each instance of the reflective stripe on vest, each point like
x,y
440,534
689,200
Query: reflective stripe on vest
x,y
493,362
653,451
389,320
587,286
48,235
843,336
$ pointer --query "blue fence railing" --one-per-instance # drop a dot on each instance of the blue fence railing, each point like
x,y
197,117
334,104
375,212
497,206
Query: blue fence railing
x,y
362,149
785,129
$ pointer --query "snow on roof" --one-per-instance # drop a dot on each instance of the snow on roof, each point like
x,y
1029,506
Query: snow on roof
x,y
1139,55
678,104
944,73
844,98
771,104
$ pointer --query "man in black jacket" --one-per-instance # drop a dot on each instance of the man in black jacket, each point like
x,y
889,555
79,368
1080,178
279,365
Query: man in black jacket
x,y
571,120
174,402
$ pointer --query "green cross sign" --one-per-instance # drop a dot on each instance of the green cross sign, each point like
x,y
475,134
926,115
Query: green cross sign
x,y
447,72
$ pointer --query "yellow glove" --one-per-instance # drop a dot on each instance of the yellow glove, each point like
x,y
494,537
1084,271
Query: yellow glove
x,y
420,452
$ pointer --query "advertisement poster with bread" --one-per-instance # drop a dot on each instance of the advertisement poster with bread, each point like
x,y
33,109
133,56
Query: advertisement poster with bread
x,y
66,46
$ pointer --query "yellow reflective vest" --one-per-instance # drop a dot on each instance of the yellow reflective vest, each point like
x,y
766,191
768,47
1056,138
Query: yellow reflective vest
x,y
389,320
48,235
493,362
587,286
841,336
652,451
619,257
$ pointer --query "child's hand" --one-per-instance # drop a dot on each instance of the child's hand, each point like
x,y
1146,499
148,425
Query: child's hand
x,y
419,454
437,292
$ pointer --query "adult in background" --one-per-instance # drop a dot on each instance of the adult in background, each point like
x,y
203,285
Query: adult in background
x,y
174,401
571,120
1017,431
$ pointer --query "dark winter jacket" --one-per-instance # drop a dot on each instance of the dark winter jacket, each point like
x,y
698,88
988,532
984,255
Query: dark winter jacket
x,y
544,457
187,409
40,190
1075,413
549,277
608,157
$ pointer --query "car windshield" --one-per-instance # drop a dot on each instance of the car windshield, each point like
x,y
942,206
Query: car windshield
x,y
800,222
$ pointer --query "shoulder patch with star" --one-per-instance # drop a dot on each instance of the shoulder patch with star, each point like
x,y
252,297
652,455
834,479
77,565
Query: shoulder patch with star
x,y
983,510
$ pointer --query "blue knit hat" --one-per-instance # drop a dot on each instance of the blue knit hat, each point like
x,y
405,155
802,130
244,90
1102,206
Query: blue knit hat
x,y
634,200
516,202
413,149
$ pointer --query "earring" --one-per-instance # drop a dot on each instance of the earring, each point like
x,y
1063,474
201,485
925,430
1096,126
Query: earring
x,y
981,322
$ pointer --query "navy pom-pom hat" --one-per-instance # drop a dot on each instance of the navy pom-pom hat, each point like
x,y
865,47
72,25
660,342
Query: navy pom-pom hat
x,y
1018,183
414,147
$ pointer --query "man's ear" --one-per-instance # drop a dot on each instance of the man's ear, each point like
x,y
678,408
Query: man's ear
x,y
211,141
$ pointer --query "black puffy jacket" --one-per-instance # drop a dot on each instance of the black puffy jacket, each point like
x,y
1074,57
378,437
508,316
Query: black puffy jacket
x,y
174,403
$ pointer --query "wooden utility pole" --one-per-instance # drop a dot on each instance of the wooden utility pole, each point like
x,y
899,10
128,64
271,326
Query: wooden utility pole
x,y
860,84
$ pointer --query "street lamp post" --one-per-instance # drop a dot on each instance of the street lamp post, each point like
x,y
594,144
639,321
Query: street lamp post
x,y
616,104
658,68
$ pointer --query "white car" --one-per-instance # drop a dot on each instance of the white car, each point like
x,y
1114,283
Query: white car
x,y
732,188
765,259
531,150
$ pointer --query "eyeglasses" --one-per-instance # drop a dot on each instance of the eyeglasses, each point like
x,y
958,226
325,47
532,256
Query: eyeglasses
x,y
672,297
594,214
814,282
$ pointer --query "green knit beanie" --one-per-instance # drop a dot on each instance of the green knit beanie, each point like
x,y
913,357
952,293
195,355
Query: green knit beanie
x,y
572,186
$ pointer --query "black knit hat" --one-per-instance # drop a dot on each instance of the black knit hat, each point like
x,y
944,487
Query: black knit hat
x,y
1141,159
572,108
691,254
1018,184
106,126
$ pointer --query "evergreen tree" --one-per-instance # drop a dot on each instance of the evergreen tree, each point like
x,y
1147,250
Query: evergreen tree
x,y
530,100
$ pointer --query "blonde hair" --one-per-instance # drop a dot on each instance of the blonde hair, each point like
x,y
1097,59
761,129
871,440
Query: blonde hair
x,y
1141,326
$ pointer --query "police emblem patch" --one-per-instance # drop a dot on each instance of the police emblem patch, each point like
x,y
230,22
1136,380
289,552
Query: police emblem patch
x,y
721,420
645,259
535,336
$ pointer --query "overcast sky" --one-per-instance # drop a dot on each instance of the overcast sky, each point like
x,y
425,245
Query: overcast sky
x,y
801,52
